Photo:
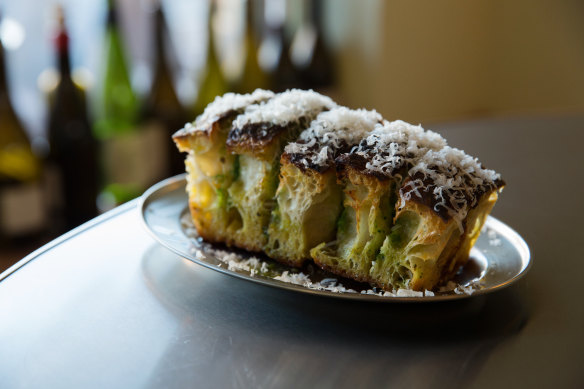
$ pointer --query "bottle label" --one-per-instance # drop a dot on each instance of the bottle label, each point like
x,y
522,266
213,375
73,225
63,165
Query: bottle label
x,y
138,158
22,209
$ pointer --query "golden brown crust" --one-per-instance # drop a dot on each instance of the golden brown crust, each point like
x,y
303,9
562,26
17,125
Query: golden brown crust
x,y
188,138
212,234
474,222
427,245
354,275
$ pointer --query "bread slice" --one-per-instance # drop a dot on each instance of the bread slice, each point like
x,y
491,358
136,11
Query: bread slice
x,y
257,139
413,207
308,199
425,249
211,168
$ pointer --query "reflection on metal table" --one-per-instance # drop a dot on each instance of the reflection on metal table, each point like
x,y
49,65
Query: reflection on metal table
x,y
107,306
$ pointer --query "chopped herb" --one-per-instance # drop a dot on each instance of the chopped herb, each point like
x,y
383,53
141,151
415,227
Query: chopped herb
x,y
342,221
222,197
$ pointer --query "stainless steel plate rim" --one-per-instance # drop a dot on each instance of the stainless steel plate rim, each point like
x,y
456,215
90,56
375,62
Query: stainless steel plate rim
x,y
169,195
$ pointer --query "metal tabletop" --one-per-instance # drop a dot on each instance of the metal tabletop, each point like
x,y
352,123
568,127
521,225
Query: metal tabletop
x,y
105,306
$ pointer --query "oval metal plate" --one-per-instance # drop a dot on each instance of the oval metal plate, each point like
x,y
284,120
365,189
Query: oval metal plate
x,y
499,258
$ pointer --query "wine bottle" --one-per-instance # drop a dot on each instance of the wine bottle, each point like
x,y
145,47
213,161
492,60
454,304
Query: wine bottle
x,y
253,76
22,212
128,157
162,112
72,161
309,53
274,52
213,82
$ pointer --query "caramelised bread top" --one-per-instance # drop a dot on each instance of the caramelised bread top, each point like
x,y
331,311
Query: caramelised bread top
x,y
331,133
262,125
426,168
430,171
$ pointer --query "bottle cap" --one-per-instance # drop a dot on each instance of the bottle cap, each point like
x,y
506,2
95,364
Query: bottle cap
x,y
61,39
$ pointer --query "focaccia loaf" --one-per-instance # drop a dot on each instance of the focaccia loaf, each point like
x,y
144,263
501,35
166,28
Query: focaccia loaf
x,y
300,178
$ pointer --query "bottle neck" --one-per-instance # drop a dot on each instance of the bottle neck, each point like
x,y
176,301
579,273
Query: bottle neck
x,y
112,17
250,19
158,40
112,25
62,45
315,13
211,55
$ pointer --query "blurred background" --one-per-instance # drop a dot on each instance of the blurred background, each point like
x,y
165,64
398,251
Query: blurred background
x,y
91,91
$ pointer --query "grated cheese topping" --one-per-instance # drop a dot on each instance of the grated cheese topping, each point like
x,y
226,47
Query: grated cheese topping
x,y
330,132
230,102
391,145
426,166
284,108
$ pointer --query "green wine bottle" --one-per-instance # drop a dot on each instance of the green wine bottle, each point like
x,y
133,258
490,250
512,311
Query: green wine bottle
x,y
117,110
22,212
213,82
72,164
128,155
